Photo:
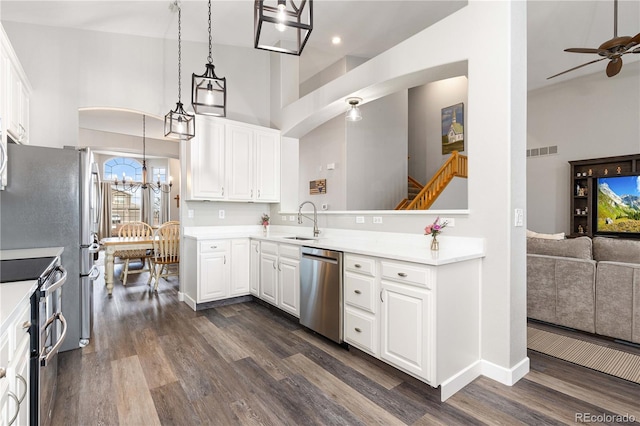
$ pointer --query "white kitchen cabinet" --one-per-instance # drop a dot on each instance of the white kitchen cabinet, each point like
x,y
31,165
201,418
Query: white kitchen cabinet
x,y
214,270
233,161
280,276
4,61
206,162
254,280
361,324
240,269
17,91
406,314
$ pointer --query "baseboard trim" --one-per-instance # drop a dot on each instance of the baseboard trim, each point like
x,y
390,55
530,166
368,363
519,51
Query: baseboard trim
x,y
506,376
455,383
180,296
189,301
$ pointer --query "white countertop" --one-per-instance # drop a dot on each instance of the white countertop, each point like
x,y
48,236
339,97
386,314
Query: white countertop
x,y
15,294
405,247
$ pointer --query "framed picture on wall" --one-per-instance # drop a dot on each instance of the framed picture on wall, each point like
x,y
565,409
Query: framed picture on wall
x,y
453,128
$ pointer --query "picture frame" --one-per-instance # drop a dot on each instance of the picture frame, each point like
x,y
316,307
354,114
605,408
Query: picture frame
x,y
453,128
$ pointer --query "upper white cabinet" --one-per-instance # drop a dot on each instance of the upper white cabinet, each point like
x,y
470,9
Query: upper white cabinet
x,y
16,90
233,161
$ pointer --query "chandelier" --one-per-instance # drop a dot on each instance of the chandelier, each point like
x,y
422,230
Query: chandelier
x,y
179,124
131,186
282,26
208,91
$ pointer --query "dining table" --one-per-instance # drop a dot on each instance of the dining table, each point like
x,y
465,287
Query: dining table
x,y
114,244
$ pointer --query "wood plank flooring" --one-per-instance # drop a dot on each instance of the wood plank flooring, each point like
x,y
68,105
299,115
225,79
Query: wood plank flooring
x,y
153,360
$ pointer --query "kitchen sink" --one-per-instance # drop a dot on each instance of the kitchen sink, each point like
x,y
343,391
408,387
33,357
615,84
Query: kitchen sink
x,y
299,238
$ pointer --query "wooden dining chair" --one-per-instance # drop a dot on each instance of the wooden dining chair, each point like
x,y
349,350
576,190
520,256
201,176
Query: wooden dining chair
x,y
166,252
134,229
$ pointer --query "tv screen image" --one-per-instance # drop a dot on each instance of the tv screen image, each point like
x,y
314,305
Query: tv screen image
x,y
618,205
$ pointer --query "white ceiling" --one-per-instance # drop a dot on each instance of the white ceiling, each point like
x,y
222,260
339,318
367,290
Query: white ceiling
x,y
367,28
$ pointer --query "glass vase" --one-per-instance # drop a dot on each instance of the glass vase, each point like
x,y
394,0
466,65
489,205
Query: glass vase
x,y
435,244
265,230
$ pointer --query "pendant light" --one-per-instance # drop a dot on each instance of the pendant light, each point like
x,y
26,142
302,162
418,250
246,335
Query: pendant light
x,y
282,26
208,91
353,113
179,124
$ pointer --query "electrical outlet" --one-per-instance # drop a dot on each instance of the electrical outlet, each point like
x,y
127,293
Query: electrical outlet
x,y
451,222
284,218
519,217
190,214
359,219
292,218
220,214
377,219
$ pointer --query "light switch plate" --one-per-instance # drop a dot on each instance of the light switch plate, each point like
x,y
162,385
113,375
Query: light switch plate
x,y
518,217
292,218
377,219
220,214
190,213
359,219
284,218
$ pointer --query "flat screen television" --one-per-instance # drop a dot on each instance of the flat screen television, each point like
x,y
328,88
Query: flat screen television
x,y
618,206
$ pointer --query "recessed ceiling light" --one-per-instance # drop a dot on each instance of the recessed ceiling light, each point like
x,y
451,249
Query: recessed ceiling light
x,y
336,40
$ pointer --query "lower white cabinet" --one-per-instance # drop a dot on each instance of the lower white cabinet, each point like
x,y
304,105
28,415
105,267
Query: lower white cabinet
x,y
280,276
216,269
361,324
254,279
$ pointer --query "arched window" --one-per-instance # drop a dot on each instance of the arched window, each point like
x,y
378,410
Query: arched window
x,y
123,166
126,205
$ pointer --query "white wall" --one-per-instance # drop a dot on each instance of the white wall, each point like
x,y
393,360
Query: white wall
x,y
333,71
588,117
69,69
376,154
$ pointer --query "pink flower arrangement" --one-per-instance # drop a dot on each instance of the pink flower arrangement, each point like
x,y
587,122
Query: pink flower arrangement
x,y
264,220
435,228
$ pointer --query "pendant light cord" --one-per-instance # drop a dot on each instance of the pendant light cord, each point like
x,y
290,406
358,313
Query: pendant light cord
x,y
179,53
210,58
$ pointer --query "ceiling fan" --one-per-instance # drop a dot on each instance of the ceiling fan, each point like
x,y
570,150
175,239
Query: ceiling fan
x,y
611,49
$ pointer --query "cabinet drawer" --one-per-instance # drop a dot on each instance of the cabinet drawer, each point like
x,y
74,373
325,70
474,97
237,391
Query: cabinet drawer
x,y
290,251
267,247
360,291
361,265
24,319
409,273
212,246
360,330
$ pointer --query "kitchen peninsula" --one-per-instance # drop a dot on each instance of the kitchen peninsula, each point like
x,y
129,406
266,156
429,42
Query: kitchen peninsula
x,y
411,307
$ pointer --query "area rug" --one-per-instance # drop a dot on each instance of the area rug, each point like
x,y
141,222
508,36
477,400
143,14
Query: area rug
x,y
607,360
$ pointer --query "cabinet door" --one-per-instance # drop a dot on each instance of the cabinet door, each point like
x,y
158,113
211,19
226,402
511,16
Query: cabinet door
x,y
213,276
240,147
405,327
240,270
289,285
4,61
269,278
206,161
267,166
14,93
20,385
254,279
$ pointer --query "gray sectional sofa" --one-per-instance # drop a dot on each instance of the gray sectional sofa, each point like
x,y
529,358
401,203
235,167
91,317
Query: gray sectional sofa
x,y
585,284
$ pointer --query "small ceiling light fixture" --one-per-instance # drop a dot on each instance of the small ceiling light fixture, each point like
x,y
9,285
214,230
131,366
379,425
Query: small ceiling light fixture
x,y
208,91
353,114
282,26
336,40
133,186
179,124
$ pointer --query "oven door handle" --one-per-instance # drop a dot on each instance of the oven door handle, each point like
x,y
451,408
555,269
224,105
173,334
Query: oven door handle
x,y
53,287
44,359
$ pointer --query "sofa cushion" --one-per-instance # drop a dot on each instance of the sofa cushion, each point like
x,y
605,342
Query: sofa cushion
x,y
558,236
579,248
616,250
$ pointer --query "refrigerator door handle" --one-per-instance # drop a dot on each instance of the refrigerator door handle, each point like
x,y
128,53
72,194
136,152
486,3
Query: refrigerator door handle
x,y
94,247
94,273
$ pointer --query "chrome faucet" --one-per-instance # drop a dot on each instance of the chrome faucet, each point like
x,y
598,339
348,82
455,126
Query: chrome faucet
x,y
316,232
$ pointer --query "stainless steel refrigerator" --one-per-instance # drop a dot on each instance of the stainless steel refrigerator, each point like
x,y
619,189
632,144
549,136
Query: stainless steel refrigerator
x,y
52,200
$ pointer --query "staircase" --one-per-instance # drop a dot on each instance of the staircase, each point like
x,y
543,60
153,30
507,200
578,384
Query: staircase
x,y
456,165
413,189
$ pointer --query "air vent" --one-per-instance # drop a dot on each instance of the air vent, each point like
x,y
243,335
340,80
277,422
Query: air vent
x,y
543,151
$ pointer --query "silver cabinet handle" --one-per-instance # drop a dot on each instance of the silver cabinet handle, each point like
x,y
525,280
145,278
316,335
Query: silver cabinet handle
x,y
251,196
402,274
3,165
279,267
24,393
224,259
15,415
357,265
26,324
223,191
257,249
274,264
3,373
357,291
358,330
381,297
258,193
214,247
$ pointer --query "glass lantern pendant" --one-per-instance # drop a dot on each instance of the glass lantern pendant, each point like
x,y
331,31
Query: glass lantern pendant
x,y
179,124
282,26
208,91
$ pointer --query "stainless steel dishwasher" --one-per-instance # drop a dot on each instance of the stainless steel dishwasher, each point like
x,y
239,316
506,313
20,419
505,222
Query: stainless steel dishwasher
x,y
321,292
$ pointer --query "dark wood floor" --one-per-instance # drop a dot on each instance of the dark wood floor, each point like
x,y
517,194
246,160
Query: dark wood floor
x,y
154,361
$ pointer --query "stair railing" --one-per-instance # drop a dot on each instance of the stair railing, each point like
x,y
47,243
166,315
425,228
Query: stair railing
x,y
456,165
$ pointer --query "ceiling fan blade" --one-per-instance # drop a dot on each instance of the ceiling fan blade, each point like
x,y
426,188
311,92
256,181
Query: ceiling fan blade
x,y
614,66
582,50
635,40
575,68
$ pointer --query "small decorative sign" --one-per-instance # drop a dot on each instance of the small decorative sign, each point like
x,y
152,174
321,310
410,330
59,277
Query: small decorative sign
x,y
318,186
